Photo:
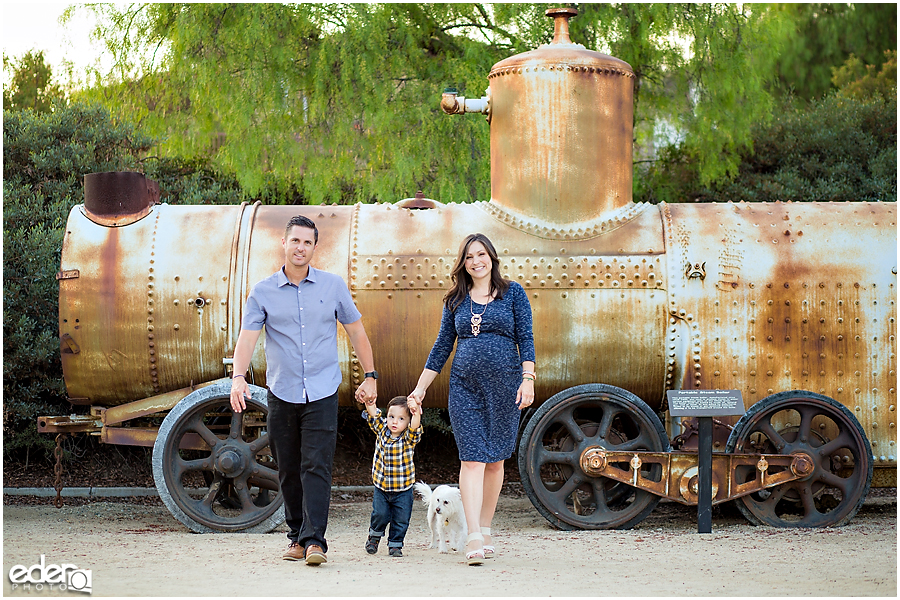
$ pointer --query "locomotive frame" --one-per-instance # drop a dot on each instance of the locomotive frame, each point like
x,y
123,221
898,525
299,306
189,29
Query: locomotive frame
x,y
792,304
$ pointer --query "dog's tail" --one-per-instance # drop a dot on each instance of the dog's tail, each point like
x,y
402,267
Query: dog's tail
x,y
424,492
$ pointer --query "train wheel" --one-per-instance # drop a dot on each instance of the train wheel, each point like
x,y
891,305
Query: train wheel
x,y
558,433
212,466
799,422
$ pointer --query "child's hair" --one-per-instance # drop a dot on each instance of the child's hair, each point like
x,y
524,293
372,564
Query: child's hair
x,y
399,401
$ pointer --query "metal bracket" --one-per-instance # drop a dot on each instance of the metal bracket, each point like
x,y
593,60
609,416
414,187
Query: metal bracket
x,y
677,475
695,270
70,345
70,424
68,274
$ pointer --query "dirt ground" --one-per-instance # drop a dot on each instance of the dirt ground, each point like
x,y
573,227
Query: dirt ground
x,y
138,549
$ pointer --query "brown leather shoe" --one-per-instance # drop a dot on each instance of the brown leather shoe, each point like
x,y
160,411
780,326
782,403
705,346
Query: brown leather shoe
x,y
294,552
315,555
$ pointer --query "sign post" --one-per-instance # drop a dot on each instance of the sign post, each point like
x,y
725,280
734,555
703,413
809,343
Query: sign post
x,y
704,404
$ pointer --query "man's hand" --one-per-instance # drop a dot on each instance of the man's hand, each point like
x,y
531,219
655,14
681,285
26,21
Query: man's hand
x,y
239,390
367,392
243,350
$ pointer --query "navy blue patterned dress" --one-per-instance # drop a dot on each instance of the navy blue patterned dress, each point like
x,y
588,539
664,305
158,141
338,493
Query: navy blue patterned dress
x,y
486,373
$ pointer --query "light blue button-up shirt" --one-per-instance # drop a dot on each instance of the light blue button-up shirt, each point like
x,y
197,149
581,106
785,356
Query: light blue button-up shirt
x,y
301,332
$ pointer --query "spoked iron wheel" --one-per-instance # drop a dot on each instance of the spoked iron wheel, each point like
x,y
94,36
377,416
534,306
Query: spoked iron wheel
x,y
212,466
554,439
799,422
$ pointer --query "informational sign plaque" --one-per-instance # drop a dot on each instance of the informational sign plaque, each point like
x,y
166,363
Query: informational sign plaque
x,y
705,403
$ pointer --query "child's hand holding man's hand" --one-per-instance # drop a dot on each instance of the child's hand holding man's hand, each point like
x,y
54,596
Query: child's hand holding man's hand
x,y
362,399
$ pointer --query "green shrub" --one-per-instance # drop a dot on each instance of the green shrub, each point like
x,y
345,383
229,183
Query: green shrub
x,y
191,181
840,148
45,158
843,149
30,83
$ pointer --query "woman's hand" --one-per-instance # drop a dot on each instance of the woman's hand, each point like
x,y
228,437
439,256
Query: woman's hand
x,y
418,394
525,395
414,400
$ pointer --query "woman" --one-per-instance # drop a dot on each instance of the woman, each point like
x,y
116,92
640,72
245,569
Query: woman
x,y
491,380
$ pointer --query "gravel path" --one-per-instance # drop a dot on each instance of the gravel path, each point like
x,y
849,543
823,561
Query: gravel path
x,y
138,549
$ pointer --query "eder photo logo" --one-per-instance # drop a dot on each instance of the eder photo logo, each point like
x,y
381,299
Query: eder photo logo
x,y
42,576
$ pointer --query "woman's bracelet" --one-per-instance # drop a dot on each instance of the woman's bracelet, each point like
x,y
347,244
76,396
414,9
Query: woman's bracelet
x,y
526,378
533,376
236,376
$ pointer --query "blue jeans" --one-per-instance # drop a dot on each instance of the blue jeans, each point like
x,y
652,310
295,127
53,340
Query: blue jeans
x,y
394,508
302,438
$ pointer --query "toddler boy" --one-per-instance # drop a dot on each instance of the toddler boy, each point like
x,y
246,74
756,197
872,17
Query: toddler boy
x,y
393,471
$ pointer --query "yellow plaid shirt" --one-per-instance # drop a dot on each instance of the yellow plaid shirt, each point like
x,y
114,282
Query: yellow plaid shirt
x,y
393,469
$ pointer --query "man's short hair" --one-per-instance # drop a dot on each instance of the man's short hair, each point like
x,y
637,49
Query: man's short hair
x,y
301,221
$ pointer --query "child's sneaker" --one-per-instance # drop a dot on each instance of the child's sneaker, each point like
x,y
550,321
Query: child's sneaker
x,y
372,544
395,552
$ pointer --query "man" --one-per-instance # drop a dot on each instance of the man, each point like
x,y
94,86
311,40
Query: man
x,y
300,307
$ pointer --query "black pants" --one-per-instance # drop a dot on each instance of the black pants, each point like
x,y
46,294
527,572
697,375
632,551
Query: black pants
x,y
302,437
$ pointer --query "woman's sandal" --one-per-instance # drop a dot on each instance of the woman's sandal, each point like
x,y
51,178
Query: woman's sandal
x,y
475,557
489,550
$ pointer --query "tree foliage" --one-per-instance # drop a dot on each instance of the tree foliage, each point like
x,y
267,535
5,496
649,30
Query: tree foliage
x,y
31,83
840,148
271,98
857,79
826,34
341,100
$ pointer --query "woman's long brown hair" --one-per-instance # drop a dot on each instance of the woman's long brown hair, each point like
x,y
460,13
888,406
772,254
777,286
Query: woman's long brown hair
x,y
462,281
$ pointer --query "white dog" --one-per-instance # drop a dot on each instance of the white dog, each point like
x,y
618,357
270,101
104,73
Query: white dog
x,y
446,518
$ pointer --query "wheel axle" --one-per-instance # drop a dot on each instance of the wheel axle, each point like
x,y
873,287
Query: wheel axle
x,y
229,462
